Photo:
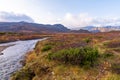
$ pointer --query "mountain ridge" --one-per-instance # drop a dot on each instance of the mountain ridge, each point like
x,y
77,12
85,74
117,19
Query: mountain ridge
x,y
36,28
101,29
31,27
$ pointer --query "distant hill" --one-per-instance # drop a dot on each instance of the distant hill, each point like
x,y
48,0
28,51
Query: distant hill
x,y
107,28
101,29
80,31
35,28
31,27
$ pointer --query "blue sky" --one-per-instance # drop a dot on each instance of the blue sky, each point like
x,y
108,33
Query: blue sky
x,y
71,13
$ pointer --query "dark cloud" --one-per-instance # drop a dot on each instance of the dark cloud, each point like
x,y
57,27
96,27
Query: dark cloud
x,y
12,17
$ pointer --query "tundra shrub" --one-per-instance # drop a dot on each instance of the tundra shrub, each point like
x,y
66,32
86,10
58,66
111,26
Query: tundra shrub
x,y
87,40
76,56
46,48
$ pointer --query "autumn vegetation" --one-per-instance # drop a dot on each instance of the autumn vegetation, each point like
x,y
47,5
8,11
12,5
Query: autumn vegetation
x,y
70,56
12,36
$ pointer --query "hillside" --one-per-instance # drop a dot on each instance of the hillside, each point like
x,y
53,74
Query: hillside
x,y
25,27
101,29
73,57
79,31
31,27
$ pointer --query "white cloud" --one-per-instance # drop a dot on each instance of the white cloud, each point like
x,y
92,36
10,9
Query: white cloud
x,y
13,17
77,20
69,20
82,20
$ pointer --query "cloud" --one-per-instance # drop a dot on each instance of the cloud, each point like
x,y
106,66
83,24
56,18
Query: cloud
x,y
13,17
76,20
69,20
84,19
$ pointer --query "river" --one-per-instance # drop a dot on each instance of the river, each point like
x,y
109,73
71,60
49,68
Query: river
x,y
12,55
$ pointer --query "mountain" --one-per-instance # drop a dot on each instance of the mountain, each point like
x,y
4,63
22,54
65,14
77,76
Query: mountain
x,y
80,31
101,29
107,28
31,27
91,29
35,28
88,28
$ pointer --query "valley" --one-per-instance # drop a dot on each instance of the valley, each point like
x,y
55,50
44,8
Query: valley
x,y
59,40
67,54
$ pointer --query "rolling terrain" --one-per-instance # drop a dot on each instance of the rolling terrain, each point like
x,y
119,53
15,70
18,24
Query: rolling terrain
x,y
70,56
66,54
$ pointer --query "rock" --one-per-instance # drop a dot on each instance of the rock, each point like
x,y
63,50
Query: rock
x,y
1,53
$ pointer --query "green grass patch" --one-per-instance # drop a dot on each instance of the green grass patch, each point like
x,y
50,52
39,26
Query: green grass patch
x,y
113,77
87,40
83,56
23,74
116,68
107,55
46,48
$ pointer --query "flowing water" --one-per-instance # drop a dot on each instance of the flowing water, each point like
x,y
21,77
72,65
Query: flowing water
x,y
10,60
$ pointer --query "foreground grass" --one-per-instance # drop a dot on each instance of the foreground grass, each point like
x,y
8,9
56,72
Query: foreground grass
x,y
73,57
83,56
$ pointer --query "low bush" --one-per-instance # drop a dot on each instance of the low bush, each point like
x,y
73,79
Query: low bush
x,y
116,68
77,56
2,33
23,74
46,48
87,40
106,55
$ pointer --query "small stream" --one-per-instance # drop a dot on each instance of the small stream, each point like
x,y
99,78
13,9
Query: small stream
x,y
10,60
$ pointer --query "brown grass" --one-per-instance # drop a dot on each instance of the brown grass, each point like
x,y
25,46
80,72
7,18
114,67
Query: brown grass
x,y
45,69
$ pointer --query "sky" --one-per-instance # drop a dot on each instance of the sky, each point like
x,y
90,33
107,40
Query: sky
x,y
71,13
